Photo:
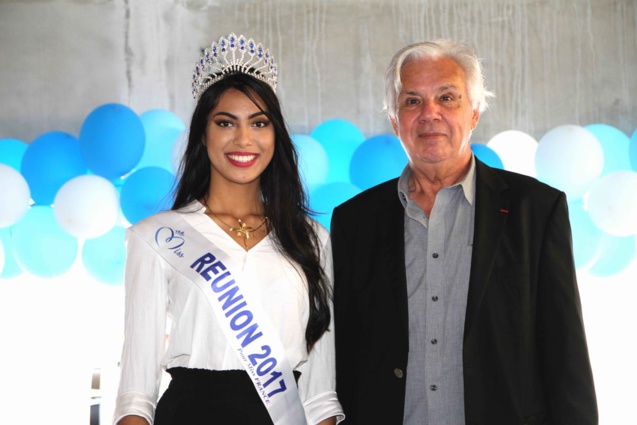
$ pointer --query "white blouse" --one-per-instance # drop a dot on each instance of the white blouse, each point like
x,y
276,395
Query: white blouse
x,y
157,297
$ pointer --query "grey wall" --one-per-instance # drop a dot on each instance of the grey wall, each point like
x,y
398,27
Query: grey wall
x,y
549,62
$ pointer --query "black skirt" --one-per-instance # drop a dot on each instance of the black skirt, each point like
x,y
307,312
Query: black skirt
x,y
206,397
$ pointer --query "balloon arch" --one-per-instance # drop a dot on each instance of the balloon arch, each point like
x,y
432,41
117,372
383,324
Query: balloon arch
x,y
64,196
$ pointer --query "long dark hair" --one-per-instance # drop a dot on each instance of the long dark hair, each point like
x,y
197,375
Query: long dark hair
x,y
284,199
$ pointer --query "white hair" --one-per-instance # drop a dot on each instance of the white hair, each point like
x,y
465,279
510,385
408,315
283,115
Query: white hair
x,y
462,54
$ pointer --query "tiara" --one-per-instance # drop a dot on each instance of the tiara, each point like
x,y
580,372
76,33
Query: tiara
x,y
230,55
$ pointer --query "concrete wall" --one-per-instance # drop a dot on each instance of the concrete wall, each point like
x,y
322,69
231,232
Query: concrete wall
x,y
549,62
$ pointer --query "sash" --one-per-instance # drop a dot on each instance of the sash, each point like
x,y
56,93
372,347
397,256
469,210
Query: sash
x,y
245,325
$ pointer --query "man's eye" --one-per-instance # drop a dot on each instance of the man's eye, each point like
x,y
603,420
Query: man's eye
x,y
446,98
412,101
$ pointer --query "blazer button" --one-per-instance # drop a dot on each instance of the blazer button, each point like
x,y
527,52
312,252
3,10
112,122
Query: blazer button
x,y
398,373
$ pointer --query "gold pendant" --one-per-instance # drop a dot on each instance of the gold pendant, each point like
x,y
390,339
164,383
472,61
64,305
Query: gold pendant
x,y
243,229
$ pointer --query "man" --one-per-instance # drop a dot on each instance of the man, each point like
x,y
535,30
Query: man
x,y
455,298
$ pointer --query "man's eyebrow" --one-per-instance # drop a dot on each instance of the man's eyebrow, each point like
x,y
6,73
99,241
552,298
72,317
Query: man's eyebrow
x,y
447,87
439,89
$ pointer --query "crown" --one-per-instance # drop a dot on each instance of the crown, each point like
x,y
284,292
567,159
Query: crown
x,y
230,55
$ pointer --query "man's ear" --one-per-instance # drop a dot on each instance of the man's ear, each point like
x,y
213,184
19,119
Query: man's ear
x,y
475,118
394,125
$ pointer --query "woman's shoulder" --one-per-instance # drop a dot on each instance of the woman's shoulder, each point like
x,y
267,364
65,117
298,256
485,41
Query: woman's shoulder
x,y
161,217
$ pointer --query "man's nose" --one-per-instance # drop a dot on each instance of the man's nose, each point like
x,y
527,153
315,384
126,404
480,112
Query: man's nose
x,y
429,111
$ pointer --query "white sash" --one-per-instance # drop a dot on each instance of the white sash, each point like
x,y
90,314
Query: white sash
x,y
247,328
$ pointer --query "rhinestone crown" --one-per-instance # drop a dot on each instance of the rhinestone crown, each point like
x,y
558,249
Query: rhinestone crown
x,y
230,55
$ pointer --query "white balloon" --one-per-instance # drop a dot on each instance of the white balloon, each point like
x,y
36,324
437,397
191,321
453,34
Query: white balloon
x,y
87,206
15,196
612,203
570,158
516,149
313,160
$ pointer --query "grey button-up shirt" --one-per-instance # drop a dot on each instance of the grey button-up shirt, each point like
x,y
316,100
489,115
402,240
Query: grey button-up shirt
x,y
438,262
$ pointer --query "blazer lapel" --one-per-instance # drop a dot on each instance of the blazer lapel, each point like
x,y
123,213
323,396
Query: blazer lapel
x,y
491,212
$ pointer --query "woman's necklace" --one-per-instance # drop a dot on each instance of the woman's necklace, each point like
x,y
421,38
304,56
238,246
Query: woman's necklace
x,y
243,229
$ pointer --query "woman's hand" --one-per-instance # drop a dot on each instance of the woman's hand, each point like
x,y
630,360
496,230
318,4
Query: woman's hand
x,y
329,421
132,420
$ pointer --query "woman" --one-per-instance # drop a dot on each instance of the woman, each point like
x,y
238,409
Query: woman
x,y
237,268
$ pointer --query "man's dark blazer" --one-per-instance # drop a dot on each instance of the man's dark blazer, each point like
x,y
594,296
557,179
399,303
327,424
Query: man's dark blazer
x,y
525,356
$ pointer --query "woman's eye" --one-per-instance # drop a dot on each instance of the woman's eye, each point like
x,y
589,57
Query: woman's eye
x,y
223,123
261,124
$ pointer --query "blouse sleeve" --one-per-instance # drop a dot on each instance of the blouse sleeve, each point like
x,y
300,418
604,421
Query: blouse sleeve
x,y
146,301
317,384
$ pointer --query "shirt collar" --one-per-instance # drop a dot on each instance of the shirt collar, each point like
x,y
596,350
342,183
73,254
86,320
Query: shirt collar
x,y
468,184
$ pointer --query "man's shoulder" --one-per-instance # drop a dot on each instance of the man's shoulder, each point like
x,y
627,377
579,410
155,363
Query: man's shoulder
x,y
519,182
373,196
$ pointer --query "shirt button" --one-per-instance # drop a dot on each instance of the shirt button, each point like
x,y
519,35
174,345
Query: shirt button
x,y
434,298
435,255
398,373
433,388
434,341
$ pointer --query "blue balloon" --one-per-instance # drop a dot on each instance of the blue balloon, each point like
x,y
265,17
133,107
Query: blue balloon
x,y
615,145
12,152
104,256
487,155
145,192
339,138
617,253
378,159
41,246
586,235
324,199
50,161
632,151
313,161
112,140
11,267
162,129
